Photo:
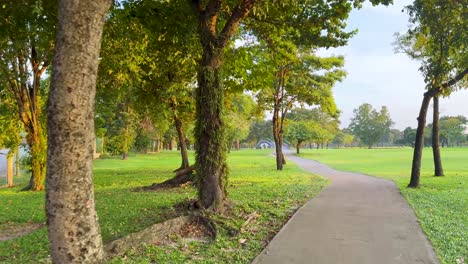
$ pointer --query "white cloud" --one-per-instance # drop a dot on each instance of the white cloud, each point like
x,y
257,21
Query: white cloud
x,y
378,76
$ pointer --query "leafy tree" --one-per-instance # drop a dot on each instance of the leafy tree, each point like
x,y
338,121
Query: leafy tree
x,y
27,31
10,138
326,127
343,139
125,47
299,131
260,129
394,136
71,216
409,135
163,66
369,125
218,21
444,58
313,125
240,113
286,69
452,130
305,79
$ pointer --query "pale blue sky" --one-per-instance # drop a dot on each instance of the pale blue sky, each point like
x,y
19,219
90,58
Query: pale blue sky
x,y
378,76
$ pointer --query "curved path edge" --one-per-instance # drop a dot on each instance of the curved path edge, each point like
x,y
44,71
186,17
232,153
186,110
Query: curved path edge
x,y
357,219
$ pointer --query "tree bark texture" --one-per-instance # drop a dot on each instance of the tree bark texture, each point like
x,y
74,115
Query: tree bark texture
x,y
210,132
419,143
438,169
71,216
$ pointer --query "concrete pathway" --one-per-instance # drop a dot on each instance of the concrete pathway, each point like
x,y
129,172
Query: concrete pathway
x,y
357,219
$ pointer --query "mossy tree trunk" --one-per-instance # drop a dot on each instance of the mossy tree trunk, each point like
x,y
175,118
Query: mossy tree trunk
x,y
210,147
210,131
71,216
438,170
37,143
419,143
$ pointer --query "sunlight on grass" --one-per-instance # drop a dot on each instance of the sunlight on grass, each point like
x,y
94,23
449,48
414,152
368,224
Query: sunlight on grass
x,y
254,185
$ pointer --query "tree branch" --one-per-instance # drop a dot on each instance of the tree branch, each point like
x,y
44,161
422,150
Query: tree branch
x,y
436,90
239,12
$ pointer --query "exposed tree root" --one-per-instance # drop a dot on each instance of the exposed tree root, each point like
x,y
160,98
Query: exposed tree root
x,y
182,176
13,230
184,226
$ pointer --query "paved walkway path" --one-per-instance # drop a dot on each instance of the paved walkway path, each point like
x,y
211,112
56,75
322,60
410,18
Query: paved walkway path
x,y
357,219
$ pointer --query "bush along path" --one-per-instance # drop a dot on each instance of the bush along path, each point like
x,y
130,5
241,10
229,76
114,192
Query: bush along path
x,y
357,219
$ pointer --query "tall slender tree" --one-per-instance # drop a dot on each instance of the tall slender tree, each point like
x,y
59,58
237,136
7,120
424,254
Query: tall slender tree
x,y
10,138
27,33
71,216
444,58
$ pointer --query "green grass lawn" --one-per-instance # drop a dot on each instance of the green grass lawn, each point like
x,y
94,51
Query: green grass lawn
x,y
254,186
441,203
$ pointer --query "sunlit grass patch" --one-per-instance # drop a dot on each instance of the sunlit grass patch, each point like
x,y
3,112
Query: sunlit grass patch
x,y
254,186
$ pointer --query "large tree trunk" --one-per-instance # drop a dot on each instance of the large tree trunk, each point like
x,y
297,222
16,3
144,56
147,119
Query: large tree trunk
x,y
71,216
298,148
9,172
210,132
418,146
209,127
438,170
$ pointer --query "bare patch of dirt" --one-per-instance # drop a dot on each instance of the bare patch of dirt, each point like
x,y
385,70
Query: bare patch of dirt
x,y
12,230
